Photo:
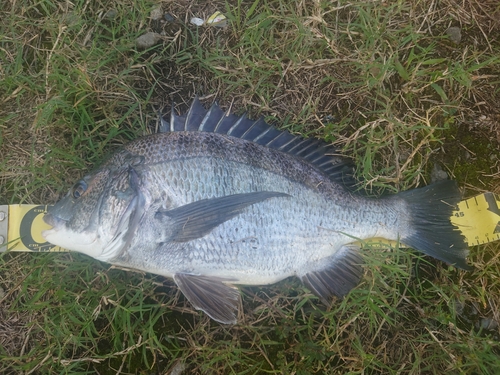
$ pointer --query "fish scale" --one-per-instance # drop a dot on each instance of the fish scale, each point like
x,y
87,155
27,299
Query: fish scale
x,y
252,222
216,200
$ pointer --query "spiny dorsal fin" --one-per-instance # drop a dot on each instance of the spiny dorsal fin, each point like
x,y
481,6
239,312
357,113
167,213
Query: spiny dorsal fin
x,y
214,120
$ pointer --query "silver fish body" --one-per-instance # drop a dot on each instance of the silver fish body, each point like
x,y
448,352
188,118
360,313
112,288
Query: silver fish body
x,y
217,200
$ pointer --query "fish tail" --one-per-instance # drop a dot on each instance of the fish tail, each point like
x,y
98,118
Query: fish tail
x,y
429,228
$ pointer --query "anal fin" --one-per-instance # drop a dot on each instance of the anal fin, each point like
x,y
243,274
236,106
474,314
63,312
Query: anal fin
x,y
211,295
335,275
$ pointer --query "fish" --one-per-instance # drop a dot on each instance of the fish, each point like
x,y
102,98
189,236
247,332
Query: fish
x,y
215,200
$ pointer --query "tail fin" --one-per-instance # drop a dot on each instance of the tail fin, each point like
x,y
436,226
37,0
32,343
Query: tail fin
x,y
431,230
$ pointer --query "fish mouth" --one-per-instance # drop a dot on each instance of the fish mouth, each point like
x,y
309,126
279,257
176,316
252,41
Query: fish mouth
x,y
54,221
64,237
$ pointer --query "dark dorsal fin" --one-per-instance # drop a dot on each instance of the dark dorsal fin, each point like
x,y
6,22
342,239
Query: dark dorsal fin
x,y
214,120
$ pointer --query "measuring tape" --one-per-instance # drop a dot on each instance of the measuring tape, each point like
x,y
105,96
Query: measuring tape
x,y
479,218
21,226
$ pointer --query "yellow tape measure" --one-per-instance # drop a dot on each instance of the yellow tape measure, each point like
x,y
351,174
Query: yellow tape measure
x,y
479,218
21,225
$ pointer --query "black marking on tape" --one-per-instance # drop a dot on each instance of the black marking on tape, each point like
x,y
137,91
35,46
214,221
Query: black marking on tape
x,y
492,203
497,228
25,229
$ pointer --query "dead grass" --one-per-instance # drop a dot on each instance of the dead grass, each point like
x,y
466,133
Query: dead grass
x,y
380,79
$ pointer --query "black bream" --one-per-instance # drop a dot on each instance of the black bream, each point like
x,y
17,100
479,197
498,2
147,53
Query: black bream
x,y
216,200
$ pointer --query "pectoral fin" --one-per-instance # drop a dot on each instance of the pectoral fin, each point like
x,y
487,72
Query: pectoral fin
x,y
211,295
336,275
194,220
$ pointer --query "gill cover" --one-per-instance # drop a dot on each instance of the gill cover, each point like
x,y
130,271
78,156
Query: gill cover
x,y
130,220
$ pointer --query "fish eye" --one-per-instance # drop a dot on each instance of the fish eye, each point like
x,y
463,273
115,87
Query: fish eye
x,y
78,190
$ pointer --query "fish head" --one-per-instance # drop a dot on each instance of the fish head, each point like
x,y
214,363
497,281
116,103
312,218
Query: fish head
x,y
94,216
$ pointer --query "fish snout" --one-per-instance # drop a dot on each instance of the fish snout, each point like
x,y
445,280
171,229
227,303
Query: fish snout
x,y
52,220
49,219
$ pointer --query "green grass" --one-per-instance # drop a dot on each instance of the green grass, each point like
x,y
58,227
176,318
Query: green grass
x,y
379,79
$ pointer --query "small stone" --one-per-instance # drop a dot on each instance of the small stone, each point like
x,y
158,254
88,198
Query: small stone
x,y
169,18
156,13
488,323
147,40
178,368
328,118
438,174
197,21
111,14
455,34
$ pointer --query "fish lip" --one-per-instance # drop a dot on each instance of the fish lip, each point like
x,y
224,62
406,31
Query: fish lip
x,y
53,220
